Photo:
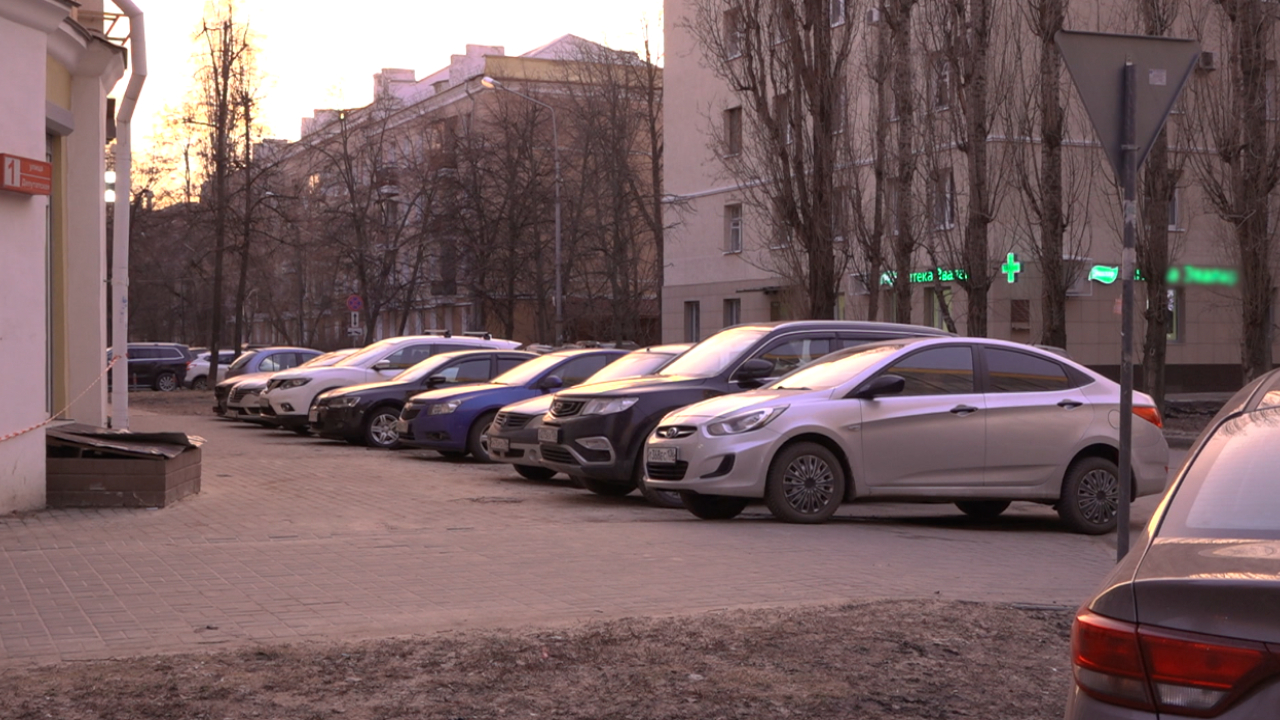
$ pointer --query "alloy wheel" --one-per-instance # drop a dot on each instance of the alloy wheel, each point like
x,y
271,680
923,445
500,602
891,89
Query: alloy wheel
x,y
808,484
1098,496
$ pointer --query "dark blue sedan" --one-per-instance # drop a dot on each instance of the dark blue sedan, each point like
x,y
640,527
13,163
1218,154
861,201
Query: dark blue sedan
x,y
451,421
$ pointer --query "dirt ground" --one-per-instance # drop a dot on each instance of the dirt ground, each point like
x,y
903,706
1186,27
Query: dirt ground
x,y
884,659
900,659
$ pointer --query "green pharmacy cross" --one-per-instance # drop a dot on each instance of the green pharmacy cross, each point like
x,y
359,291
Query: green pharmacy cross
x,y
1011,267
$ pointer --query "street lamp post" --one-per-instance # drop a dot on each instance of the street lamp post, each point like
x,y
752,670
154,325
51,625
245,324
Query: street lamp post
x,y
489,82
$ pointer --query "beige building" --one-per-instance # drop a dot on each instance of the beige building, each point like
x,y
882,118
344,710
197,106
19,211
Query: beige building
x,y
58,67
720,247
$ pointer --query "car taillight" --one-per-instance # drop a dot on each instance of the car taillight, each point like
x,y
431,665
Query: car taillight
x,y
1162,670
1150,414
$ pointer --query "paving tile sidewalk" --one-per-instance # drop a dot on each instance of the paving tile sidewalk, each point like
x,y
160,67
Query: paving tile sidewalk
x,y
296,539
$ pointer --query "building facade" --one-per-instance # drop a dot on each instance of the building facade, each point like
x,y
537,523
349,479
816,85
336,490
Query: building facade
x,y
722,251
59,67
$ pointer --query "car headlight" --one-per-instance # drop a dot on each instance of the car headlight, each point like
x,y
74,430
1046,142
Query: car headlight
x,y
343,402
296,382
608,406
745,422
444,408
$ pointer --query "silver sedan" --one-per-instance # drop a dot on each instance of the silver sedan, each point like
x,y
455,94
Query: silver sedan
x,y
976,422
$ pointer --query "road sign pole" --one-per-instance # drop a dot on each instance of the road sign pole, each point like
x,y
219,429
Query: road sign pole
x,y
1128,265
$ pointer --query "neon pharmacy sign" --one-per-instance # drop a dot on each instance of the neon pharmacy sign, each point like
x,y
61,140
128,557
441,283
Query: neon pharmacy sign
x,y
926,276
1183,275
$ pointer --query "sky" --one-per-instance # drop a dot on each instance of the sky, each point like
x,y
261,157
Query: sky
x,y
324,54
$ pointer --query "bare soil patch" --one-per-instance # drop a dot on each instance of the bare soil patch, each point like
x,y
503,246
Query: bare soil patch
x,y
177,402
870,661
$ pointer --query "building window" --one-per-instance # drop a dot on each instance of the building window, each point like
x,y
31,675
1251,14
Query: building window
x,y
733,228
891,206
1174,328
841,109
938,306
692,321
944,200
839,12
1175,209
941,83
1020,315
733,131
733,32
732,312
782,115
838,215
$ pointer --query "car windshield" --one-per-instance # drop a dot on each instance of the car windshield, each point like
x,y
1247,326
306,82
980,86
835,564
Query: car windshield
x,y
630,365
1230,489
242,360
365,356
423,369
835,369
525,372
327,359
715,354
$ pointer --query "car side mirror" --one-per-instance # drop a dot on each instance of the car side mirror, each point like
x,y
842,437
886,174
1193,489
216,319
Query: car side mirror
x,y
382,365
435,380
551,382
754,369
880,385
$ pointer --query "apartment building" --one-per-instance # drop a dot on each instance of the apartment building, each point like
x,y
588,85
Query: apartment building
x,y
726,249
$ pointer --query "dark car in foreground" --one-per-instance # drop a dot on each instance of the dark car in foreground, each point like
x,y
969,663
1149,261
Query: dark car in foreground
x,y
597,434
367,414
452,421
513,436
1188,624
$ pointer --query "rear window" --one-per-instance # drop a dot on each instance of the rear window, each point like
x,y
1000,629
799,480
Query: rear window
x,y
1232,487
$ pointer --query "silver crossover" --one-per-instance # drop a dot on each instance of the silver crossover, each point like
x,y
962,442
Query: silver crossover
x,y
1188,624
972,421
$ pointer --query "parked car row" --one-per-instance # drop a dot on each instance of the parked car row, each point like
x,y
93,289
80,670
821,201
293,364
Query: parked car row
x,y
802,415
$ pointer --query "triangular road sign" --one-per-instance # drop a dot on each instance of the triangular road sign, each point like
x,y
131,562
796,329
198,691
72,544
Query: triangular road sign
x,y
1096,62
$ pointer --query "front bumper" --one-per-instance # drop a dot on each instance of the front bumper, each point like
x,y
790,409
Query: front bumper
x,y
732,465
516,439
416,428
589,446
342,423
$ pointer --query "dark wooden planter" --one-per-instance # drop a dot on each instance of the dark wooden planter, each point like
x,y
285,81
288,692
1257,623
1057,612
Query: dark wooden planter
x,y
84,470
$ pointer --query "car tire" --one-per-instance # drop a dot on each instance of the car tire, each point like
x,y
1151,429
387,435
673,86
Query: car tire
x,y
200,383
805,484
474,446
983,509
166,382
1090,496
607,489
380,427
713,507
535,472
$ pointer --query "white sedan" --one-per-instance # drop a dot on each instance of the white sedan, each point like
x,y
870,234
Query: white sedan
x,y
975,422
289,394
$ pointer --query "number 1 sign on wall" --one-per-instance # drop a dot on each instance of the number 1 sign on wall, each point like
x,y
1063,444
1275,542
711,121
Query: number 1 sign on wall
x,y
24,175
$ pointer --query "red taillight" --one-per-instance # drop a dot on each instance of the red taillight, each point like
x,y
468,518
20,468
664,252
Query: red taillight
x,y
1164,670
1150,414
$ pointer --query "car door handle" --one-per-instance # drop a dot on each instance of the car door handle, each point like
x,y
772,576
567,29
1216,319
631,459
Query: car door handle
x,y
963,410
1069,404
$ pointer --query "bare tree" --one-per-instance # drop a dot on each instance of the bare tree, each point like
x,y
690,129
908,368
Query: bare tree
x,y
1228,113
787,61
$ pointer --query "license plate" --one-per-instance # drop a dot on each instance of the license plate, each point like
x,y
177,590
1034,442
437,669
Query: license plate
x,y
402,427
499,444
548,434
662,455
314,415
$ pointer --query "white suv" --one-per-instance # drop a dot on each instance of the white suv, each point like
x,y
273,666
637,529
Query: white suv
x,y
289,394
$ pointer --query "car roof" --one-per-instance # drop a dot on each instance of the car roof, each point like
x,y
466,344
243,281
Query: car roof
x,y
867,325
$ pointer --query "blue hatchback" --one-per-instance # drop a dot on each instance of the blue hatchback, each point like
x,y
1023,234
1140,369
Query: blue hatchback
x,y
451,421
